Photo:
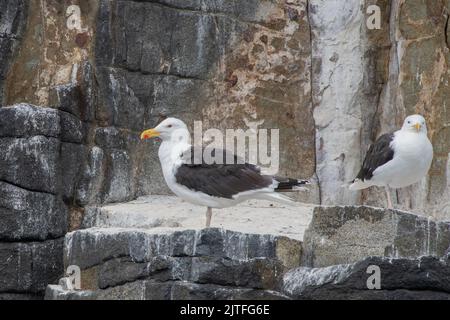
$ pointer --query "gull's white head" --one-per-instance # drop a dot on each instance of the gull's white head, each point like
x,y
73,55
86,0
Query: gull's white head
x,y
415,123
171,129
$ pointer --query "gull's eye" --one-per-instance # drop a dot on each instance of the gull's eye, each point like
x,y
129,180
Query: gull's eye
x,y
409,122
169,126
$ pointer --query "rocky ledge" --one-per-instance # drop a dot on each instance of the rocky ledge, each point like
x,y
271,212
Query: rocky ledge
x,y
346,253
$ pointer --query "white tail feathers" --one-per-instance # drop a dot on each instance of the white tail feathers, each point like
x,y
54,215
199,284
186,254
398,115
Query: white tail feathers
x,y
304,189
358,185
278,198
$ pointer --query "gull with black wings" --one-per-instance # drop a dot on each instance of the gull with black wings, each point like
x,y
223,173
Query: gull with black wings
x,y
214,185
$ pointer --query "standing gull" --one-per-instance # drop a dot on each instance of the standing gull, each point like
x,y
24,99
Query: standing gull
x,y
216,185
397,159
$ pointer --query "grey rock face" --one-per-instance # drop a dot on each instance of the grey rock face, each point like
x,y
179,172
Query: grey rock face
x,y
30,215
339,235
24,120
425,278
20,296
175,290
259,273
410,252
199,59
141,245
147,264
217,264
119,106
12,23
39,167
91,177
30,163
29,267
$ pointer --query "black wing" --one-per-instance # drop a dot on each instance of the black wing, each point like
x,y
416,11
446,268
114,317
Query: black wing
x,y
220,180
379,153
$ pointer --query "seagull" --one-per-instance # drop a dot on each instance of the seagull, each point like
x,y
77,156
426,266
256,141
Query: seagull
x,y
215,185
397,159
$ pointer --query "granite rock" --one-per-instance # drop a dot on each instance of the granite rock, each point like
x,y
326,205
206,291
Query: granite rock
x,y
425,278
28,267
340,235
29,215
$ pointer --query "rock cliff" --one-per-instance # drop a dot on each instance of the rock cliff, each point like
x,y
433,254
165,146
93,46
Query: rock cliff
x,y
333,261
80,79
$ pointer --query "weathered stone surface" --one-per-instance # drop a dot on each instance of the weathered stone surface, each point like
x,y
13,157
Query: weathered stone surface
x,y
24,120
253,216
164,263
72,161
141,245
30,266
339,235
90,183
170,290
119,106
72,129
20,296
310,68
28,215
56,292
78,97
216,58
31,163
12,25
200,60
426,278
66,97
258,273
193,291
52,50
348,73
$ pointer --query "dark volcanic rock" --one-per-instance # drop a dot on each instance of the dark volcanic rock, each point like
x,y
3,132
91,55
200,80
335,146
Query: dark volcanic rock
x,y
423,278
122,270
193,291
119,106
30,163
20,296
141,245
72,161
72,129
30,215
29,267
189,264
170,290
24,120
91,177
259,273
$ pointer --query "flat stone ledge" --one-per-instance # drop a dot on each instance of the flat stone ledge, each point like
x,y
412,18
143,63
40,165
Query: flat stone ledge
x,y
258,217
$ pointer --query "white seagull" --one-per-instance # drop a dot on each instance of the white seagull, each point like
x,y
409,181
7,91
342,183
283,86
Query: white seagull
x,y
398,159
216,185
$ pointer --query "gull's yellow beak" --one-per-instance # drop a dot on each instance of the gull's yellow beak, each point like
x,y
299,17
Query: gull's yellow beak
x,y
418,126
150,133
